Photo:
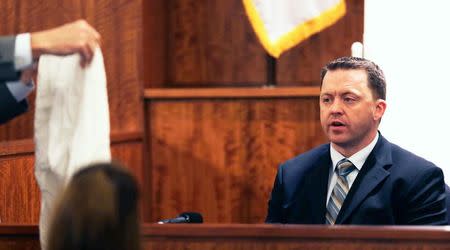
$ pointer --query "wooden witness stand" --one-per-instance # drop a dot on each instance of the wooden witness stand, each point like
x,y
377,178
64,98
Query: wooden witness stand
x,y
260,236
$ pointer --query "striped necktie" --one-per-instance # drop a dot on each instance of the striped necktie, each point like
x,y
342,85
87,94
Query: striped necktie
x,y
340,190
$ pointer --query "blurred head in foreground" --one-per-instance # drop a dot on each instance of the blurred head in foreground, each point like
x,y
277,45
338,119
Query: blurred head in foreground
x,y
98,210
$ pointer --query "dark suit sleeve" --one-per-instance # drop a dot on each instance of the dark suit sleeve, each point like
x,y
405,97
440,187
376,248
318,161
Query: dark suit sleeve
x,y
9,107
426,199
275,209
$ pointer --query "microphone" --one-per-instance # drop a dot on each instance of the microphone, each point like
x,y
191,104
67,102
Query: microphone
x,y
186,217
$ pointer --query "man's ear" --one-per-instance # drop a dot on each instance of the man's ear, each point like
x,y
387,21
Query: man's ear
x,y
380,108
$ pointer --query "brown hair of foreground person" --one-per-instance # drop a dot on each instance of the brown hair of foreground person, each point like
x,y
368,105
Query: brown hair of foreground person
x,y
98,210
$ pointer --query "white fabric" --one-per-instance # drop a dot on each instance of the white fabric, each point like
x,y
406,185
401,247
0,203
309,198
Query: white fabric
x,y
71,124
282,16
282,24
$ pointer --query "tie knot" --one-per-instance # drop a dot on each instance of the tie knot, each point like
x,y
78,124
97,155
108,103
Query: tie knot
x,y
345,167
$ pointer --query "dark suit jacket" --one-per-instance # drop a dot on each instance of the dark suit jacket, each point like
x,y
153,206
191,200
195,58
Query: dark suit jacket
x,y
394,187
9,107
447,192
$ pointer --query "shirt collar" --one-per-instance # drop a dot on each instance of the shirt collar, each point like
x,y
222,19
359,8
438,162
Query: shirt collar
x,y
358,158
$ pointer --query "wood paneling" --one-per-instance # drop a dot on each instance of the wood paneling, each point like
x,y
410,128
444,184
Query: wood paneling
x,y
120,24
230,93
211,43
214,154
155,50
273,237
203,43
292,237
220,156
19,237
130,154
301,65
19,193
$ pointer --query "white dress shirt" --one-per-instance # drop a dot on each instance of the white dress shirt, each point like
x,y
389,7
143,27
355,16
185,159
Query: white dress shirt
x,y
23,59
358,159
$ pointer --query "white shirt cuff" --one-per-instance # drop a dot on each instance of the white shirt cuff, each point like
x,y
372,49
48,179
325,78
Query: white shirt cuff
x,y
22,55
19,90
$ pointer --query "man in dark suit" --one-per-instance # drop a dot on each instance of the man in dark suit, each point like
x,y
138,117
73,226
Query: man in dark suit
x,y
17,54
359,177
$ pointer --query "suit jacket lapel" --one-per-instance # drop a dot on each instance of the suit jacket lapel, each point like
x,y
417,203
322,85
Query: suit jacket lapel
x,y
317,186
371,175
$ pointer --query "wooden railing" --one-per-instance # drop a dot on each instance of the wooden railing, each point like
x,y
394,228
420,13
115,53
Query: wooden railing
x,y
261,236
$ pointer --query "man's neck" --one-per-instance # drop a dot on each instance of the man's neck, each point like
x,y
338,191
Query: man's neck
x,y
349,150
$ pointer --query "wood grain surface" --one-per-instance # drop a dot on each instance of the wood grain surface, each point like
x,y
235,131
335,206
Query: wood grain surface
x,y
258,236
211,152
292,237
219,157
230,93
19,193
212,43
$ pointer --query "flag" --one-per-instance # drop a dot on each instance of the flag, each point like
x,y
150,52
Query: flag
x,y
282,24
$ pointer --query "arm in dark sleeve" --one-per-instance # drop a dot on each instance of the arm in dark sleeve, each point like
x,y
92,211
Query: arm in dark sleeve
x,y
426,199
7,50
9,107
275,209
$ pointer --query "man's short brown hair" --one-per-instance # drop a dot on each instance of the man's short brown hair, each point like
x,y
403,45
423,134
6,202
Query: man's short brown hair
x,y
376,79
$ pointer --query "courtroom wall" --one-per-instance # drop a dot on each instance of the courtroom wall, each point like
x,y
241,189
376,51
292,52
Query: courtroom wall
x,y
216,151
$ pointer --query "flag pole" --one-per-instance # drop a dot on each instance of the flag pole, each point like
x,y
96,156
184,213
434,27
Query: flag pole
x,y
271,71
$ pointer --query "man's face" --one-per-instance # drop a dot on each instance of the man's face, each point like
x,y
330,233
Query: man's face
x,y
349,113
